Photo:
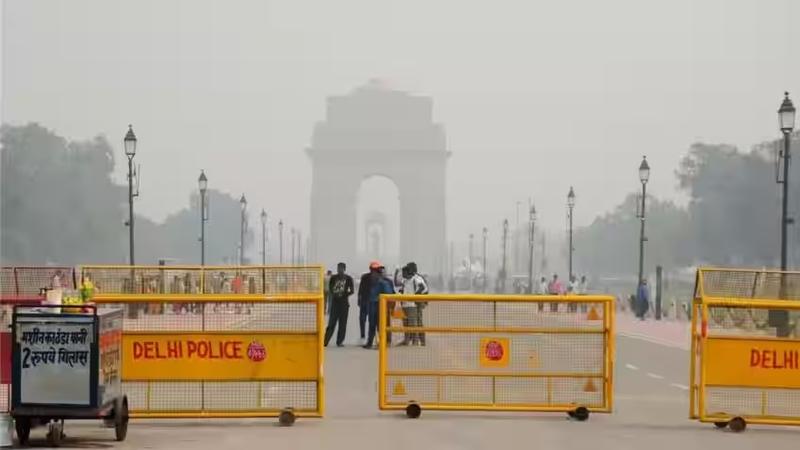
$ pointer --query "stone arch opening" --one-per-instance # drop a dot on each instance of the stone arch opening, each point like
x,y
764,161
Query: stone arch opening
x,y
377,220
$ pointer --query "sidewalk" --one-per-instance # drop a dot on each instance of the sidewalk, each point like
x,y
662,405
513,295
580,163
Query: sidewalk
x,y
665,332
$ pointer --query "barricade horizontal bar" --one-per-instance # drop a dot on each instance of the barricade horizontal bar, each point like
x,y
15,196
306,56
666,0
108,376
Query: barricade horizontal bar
x,y
227,380
200,298
199,267
758,420
744,386
218,332
219,415
454,373
533,407
501,298
752,303
727,337
509,330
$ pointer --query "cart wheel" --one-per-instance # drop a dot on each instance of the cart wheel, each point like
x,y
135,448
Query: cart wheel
x,y
23,428
571,414
413,410
581,414
720,424
55,433
121,418
737,424
286,418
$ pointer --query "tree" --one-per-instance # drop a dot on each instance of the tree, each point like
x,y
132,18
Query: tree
x,y
57,200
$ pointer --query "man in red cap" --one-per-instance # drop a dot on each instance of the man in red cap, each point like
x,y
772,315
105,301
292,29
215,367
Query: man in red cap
x,y
380,284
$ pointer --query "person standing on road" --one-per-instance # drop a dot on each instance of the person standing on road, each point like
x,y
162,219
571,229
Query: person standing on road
x,y
555,288
413,284
364,290
643,299
341,288
381,284
327,307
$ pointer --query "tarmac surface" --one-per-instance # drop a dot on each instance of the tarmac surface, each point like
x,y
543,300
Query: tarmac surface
x,y
651,408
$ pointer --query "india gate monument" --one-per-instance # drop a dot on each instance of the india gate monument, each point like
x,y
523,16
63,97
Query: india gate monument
x,y
378,131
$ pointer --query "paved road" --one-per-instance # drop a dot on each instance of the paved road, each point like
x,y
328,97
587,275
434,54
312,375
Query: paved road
x,y
651,409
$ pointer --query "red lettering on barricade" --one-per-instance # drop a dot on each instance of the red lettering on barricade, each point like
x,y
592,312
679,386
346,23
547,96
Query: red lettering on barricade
x,y
174,349
194,349
773,359
138,350
755,358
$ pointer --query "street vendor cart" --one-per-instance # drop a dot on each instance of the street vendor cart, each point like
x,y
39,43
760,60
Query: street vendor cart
x,y
66,365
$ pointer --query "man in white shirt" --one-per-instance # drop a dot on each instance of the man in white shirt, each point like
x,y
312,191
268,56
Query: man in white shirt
x,y
413,284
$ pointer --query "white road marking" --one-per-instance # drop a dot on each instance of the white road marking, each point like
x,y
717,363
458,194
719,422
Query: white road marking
x,y
631,366
655,375
680,386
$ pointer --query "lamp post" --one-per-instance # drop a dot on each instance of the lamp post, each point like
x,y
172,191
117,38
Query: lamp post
x,y
469,267
294,235
644,175
570,205
202,184
786,115
503,270
130,152
516,242
263,237
531,242
280,241
243,204
485,267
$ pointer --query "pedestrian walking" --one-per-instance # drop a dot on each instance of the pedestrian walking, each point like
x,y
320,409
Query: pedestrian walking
x,y
341,288
380,284
413,284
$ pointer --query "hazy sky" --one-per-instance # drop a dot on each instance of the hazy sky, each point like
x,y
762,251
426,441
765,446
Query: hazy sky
x,y
534,95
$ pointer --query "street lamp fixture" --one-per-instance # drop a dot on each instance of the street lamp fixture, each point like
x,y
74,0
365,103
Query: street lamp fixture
x,y
130,142
786,114
531,231
571,205
243,204
202,184
485,266
644,170
503,271
263,237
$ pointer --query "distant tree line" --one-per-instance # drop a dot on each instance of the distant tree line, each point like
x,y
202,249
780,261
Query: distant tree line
x,y
732,217
60,205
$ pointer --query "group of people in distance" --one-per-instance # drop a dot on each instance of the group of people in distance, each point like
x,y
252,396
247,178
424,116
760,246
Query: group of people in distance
x,y
373,283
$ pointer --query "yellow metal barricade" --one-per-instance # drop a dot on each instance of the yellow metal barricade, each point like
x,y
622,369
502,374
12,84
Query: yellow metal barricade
x,y
496,353
220,354
211,281
745,360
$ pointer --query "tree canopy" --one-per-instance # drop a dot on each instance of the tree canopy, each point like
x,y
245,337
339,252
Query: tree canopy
x,y
59,204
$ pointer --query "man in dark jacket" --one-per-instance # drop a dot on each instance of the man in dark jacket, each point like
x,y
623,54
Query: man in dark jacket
x,y
364,290
381,284
340,288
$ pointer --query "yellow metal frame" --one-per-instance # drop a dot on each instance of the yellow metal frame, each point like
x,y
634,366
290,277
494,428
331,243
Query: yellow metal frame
x,y
699,342
202,270
317,298
607,376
